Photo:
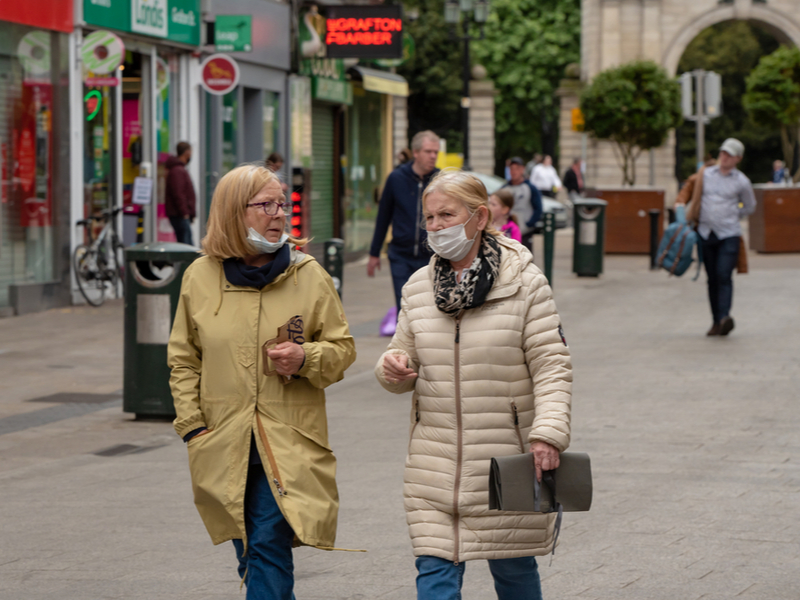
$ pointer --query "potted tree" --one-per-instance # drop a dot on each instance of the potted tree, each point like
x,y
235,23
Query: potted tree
x,y
633,106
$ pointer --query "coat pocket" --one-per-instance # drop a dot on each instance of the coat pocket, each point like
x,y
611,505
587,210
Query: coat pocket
x,y
246,356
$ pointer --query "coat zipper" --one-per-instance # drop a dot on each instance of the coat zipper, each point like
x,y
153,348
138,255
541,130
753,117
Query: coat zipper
x,y
516,426
459,438
414,426
417,223
276,476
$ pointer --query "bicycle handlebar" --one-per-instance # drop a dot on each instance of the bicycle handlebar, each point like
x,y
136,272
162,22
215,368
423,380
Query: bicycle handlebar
x,y
105,215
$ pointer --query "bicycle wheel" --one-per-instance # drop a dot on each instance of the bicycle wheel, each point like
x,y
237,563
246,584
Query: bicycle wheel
x,y
90,279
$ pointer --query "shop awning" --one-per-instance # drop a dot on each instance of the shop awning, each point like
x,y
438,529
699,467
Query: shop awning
x,y
382,82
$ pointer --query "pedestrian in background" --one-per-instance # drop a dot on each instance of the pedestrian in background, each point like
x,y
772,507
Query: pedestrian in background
x,y
527,201
401,207
779,172
274,163
573,178
715,194
179,198
545,178
251,407
403,156
480,343
500,204
537,158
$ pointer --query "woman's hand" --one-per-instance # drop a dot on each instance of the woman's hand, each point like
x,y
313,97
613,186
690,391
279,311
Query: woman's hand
x,y
395,368
288,358
545,457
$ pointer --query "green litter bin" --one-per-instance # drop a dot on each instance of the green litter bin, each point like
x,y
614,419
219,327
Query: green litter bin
x,y
589,238
153,276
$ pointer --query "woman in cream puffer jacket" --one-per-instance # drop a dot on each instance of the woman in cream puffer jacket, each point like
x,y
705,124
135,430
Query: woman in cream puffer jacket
x,y
491,377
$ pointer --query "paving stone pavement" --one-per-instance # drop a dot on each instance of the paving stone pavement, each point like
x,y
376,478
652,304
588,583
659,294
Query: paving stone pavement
x,y
694,448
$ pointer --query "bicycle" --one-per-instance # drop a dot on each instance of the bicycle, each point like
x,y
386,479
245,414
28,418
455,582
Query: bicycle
x,y
97,265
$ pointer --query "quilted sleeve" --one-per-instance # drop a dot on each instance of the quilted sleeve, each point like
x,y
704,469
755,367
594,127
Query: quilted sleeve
x,y
550,366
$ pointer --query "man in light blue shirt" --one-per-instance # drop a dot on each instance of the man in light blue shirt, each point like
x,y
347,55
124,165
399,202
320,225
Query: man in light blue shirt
x,y
727,197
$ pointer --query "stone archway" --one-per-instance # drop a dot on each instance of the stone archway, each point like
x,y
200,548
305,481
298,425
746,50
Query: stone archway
x,y
614,32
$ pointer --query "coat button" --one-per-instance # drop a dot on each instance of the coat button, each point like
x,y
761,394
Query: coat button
x,y
227,286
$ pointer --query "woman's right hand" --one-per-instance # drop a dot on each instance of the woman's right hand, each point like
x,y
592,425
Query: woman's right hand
x,y
395,368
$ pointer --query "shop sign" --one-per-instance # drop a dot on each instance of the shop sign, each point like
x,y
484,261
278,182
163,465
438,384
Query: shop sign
x,y
364,31
47,14
331,90
409,48
176,20
219,74
233,33
102,53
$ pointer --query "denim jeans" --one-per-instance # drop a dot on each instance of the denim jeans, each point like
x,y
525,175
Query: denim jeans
x,y
268,568
514,578
183,229
403,267
720,257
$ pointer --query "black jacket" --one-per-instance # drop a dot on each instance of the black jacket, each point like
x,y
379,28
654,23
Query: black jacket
x,y
401,207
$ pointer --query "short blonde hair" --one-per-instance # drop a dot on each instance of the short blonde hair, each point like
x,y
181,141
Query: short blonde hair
x,y
463,186
226,235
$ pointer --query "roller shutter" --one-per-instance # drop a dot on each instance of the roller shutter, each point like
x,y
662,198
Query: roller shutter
x,y
322,123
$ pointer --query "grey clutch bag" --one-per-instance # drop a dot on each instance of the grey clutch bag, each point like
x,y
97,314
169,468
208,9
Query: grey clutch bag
x,y
513,485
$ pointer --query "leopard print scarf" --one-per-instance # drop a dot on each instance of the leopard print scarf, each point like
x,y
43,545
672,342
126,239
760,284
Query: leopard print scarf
x,y
453,296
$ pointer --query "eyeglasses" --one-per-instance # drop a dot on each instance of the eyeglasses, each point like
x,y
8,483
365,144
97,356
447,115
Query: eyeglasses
x,y
271,208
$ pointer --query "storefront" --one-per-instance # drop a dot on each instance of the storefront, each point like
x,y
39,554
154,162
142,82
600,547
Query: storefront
x,y
250,122
34,155
136,100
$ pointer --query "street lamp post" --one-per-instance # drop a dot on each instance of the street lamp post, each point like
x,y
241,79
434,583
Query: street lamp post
x,y
455,11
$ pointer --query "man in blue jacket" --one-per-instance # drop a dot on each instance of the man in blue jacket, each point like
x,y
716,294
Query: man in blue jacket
x,y
401,207
527,201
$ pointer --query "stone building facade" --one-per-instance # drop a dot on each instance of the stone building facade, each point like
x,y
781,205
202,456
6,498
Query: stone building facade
x,y
614,32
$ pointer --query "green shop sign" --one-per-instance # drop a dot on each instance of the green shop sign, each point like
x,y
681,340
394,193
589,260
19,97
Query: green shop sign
x,y
233,33
175,20
331,90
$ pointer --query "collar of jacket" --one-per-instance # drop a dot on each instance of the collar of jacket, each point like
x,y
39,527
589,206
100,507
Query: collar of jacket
x,y
513,260
409,171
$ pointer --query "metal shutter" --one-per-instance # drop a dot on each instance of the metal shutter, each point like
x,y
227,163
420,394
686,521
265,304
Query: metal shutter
x,y
322,123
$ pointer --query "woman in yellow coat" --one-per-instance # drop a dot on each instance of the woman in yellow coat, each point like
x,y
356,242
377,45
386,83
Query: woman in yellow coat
x,y
259,333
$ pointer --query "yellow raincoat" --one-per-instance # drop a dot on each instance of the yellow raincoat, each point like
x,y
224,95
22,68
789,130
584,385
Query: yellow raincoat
x,y
218,382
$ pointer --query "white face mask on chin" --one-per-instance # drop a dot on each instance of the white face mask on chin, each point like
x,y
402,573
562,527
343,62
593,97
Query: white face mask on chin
x,y
452,243
262,244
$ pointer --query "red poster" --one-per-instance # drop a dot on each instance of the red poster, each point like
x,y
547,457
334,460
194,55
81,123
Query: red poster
x,y
49,14
27,161
4,183
34,157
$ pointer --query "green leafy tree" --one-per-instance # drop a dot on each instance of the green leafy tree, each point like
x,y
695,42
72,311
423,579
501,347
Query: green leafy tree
x,y
732,49
634,106
528,43
773,98
433,74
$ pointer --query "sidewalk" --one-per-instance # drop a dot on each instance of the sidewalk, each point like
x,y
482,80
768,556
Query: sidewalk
x,y
693,441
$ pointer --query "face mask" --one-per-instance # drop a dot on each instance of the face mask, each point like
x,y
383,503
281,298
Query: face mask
x,y
263,245
452,243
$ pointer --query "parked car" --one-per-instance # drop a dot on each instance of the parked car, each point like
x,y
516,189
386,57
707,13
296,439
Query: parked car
x,y
493,184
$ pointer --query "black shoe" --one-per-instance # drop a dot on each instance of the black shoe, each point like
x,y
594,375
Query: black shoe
x,y
726,326
714,330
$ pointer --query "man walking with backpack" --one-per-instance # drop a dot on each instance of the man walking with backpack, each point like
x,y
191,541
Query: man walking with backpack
x,y
527,201
716,193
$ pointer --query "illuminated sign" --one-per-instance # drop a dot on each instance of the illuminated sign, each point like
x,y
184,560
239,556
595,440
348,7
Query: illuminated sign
x,y
364,31
93,100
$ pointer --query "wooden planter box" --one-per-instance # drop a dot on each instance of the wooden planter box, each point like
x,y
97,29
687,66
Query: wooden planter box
x,y
627,220
775,225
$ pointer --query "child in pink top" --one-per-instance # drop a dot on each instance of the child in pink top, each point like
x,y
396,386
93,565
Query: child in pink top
x,y
501,203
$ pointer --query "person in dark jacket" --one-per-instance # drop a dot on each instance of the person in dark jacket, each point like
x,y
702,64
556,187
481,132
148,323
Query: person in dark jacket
x,y
573,178
401,207
179,198
528,207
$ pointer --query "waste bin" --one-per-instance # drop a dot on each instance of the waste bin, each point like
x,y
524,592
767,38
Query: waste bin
x,y
334,262
153,277
589,239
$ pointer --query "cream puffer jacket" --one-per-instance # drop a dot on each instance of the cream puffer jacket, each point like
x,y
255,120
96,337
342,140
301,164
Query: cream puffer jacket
x,y
489,383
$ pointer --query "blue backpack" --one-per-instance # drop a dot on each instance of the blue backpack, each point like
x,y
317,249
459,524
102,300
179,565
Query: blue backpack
x,y
677,246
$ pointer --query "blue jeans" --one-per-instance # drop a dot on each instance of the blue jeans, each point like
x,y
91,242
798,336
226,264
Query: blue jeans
x,y
403,267
268,568
720,257
183,229
514,578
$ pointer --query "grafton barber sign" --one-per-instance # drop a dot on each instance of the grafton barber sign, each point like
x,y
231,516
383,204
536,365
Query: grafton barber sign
x,y
364,31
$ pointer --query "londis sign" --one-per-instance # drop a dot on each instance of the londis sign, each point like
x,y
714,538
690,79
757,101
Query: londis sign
x,y
364,31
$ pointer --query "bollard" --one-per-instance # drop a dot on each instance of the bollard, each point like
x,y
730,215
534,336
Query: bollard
x,y
654,237
334,262
549,243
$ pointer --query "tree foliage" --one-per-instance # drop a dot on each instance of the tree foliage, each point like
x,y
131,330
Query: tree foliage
x,y
732,49
527,45
634,106
773,97
433,74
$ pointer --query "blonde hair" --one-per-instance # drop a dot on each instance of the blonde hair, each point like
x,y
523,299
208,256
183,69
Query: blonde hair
x,y
226,235
506,198
463,186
